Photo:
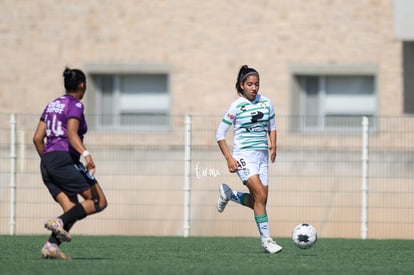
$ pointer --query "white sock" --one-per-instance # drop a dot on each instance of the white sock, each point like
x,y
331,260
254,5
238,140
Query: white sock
x,y
263,226
237,197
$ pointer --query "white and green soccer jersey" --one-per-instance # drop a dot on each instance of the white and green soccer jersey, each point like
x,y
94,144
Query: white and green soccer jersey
x,y
252,120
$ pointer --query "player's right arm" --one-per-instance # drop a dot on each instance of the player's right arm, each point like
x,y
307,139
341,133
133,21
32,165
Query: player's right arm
x,y
39,137
221,132
231,161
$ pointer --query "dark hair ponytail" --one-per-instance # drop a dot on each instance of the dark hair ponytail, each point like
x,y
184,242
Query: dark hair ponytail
x,y
243,73
73,78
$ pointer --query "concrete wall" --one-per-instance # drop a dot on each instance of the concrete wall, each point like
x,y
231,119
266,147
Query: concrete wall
x,y
203,42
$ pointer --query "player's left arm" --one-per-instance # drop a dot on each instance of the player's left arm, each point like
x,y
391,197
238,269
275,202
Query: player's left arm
x,y
272,133
77,144
272,145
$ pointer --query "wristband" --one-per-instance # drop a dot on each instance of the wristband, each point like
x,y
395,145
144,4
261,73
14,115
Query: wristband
x,y
85,153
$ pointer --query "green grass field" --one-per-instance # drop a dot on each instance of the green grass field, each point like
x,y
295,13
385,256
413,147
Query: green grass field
x,y
175,255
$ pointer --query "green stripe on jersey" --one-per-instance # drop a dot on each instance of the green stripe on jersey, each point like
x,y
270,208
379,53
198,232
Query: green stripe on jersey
x,y
226,121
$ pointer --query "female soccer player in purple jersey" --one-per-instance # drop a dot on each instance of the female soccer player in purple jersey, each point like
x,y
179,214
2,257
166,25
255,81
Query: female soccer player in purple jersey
x,y
63,125
253,118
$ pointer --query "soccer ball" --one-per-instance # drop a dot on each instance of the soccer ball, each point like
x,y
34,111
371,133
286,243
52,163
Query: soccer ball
x,y
304,235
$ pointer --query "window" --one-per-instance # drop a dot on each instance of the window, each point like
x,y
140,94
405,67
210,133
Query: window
x,y
408,80
333,100
129,99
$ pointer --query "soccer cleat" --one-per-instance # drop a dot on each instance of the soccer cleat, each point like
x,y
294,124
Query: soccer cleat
x,y
52,251
270,246
56,226
224,197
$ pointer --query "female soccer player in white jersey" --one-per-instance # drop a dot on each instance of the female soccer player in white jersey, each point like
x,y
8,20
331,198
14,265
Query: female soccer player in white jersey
x,y
252,116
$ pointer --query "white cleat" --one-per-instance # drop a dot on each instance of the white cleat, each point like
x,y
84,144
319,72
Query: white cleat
x,y
56,226
270,246
224,197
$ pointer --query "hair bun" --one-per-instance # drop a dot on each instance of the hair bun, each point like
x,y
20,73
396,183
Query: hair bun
x,y
67,72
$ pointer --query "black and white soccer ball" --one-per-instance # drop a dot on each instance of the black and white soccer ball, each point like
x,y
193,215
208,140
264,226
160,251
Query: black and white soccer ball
x,y
304,235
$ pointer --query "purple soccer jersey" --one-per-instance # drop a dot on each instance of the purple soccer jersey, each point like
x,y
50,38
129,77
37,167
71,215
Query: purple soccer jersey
x,y
56,116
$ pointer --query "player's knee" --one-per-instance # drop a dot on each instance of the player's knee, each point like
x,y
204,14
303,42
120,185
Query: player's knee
x,y
100,205
261,197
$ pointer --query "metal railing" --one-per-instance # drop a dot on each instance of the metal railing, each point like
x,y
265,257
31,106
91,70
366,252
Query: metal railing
x,y
347,182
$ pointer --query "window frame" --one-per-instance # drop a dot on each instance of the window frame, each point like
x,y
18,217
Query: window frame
x,y
93,95
298,99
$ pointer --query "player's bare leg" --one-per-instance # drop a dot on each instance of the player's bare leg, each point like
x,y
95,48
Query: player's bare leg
x,y
258,198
